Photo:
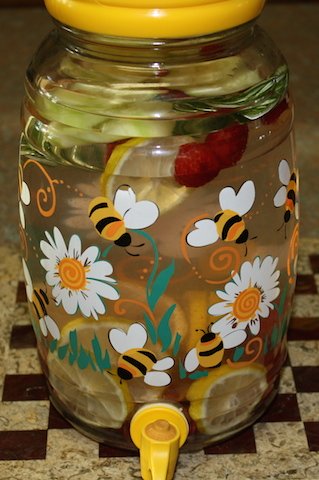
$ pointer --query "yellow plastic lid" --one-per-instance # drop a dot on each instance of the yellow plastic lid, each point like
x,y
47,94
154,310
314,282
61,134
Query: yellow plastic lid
x,y
154,18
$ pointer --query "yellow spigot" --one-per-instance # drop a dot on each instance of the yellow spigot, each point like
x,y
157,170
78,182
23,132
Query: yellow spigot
x,y
159,430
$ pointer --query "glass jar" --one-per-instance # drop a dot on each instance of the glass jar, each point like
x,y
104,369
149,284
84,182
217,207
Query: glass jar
x,y
158,200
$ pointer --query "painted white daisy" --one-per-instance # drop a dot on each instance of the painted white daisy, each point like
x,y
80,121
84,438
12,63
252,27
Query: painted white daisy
x,y
79,280
39,301
246,299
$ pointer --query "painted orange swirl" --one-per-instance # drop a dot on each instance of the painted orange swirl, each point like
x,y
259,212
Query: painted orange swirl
x,y
226,261
246,304
293,254
72,274
46,197
120,310
253,347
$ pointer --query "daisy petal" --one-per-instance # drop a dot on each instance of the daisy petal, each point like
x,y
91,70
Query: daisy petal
x,y
254,326
234,339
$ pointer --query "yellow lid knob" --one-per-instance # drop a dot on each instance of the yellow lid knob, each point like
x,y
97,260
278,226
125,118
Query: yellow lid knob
x,y
154,18
159,430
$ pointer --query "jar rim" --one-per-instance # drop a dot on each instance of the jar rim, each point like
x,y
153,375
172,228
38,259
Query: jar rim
x,y
142,19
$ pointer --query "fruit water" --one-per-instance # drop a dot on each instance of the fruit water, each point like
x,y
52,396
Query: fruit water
x,y
159,228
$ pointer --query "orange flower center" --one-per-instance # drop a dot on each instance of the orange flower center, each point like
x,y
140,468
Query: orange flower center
x,y
72,274
246,304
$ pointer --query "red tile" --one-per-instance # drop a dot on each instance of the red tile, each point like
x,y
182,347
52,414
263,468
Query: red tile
x,y
306,379
312,432
243,442
283,409
56,420
24,387
306,284
23,445
21,296
314,262
23,336
303,328
106,451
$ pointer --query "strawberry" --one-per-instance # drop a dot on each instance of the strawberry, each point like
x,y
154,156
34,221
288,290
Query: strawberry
x,y
229,144
275,113
195,164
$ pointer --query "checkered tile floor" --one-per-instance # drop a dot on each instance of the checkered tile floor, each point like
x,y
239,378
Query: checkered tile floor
x,y
31,429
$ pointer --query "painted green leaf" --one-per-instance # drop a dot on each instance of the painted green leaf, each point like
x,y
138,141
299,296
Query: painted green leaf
x,y
177,344
102,361
62,351
265,349
73,353
53,345
84,359
238,353
274,336
284,326
199,374
164,329
281,306
182,371
160,284
150,329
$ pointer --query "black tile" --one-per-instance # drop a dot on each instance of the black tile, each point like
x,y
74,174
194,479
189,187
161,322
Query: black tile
x,y
303,328
314,262
24,387
243,442
306,379
283,409
23,336
23,445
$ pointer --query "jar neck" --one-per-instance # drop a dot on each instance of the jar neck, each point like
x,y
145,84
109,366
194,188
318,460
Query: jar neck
x,y
145,51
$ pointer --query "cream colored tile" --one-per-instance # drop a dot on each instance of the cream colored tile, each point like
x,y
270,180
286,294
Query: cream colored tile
x,y
280,437
287,383
304,353
23,361
68,444
309,406
306,306
24,415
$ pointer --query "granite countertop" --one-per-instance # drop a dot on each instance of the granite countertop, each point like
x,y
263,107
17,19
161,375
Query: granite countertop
x,y
34,440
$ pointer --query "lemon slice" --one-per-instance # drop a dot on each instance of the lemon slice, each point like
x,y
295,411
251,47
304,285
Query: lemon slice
x,y
148,167
97,398
224,399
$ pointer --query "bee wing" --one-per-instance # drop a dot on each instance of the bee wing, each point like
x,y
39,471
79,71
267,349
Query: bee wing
x,y
52,327
234,339
205,233
163,364
240,202
124,199
135,337
25,194
284,172
28,281
157,379
43,327
141,215
191,360
280,197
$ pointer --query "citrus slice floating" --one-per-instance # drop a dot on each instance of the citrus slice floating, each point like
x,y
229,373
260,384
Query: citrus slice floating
x,y
225,398
148,167
97,398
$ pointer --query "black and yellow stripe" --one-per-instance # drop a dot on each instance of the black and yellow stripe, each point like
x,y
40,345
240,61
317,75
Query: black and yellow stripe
x,y
135,363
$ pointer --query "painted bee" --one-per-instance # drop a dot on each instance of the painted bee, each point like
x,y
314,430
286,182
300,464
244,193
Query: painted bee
x,y
136,361
112,219
228,224
287,194
40,301
210,348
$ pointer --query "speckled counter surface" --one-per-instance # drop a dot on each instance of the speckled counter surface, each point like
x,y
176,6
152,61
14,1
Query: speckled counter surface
x,y
284,444
35,442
